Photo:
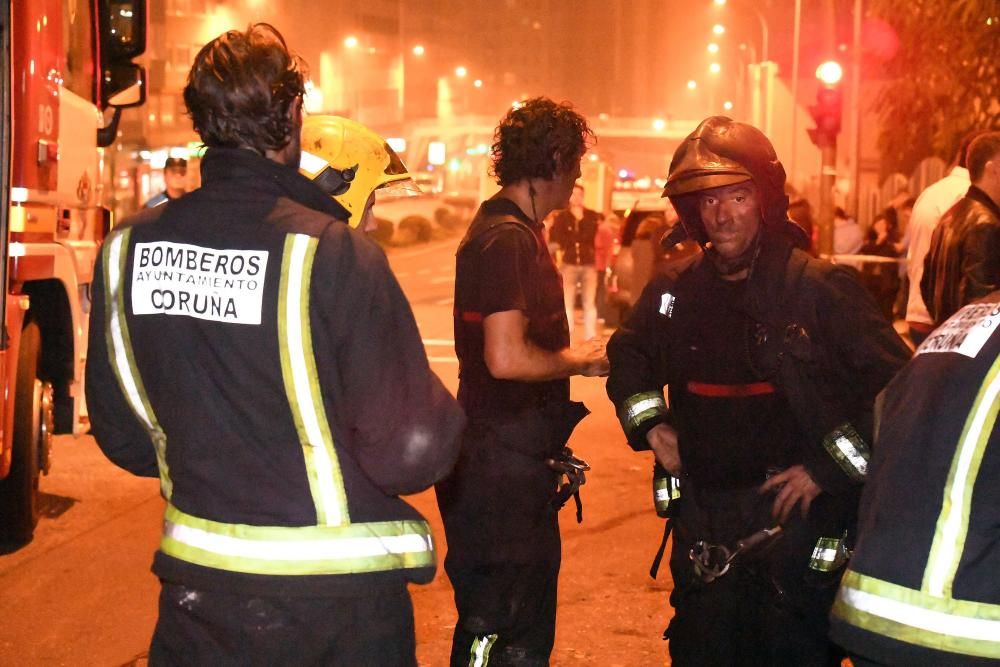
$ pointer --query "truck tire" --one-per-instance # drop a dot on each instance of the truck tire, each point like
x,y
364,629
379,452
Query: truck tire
x,y
19,491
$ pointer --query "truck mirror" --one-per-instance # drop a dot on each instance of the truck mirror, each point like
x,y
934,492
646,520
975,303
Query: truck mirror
x,y
123,29
124,86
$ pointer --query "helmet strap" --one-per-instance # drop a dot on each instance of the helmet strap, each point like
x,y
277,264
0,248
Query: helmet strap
x,y
731,266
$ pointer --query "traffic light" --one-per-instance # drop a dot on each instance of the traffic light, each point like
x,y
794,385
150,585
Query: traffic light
x,y
826,111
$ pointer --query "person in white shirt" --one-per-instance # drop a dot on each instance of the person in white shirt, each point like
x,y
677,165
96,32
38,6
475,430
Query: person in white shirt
x,y
932,203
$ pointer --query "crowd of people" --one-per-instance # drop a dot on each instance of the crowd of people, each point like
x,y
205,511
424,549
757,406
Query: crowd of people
x,y
273,379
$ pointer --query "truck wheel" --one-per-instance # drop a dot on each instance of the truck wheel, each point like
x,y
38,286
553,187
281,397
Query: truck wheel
x,y
31,443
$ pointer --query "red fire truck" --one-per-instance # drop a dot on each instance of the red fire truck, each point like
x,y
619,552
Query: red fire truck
x,y
64,63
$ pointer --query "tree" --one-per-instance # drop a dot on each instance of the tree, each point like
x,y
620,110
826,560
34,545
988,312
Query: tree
x,y
942,81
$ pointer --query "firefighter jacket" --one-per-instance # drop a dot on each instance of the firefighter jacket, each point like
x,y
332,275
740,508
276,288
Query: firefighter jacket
x,y
817,336
963,262
922,587
259,357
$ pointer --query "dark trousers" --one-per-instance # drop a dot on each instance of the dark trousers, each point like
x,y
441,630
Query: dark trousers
x,y
769,608
505,612
213,628
504,548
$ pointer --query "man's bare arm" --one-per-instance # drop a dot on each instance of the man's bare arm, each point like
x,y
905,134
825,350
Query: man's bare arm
x,y
509,355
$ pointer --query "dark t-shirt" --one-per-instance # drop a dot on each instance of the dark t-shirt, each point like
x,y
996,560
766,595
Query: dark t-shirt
x,y
502,267
733,425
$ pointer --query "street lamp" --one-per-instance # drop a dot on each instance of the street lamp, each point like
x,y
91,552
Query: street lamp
x,y
692,84
351,41
418,50
713,47
715,68
763,28
461,72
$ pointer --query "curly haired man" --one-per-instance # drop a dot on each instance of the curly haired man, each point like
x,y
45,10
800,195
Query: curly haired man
x,y
512,341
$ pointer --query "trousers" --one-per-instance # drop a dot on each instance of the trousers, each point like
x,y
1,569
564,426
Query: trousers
x,y
215,628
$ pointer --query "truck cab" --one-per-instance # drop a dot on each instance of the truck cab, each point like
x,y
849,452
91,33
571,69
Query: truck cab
x,y
65,63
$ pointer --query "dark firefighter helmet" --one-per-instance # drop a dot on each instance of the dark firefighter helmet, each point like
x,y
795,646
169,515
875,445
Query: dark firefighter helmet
x,y
722,152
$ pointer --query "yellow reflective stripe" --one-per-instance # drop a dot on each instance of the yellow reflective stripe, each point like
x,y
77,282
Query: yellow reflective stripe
x,y
916,617
639,407
120,352
298,367
479,656
848,449
290,550
953,522
828,554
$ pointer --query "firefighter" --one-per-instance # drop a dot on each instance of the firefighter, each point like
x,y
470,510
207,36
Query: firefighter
x,y
772,361
258,356
354,165
500,504
922,588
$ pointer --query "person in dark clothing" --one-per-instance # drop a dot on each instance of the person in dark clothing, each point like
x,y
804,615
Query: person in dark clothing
x,y
882,277
772,360
174,178
246,348
963,263
922,587
512,341
574,230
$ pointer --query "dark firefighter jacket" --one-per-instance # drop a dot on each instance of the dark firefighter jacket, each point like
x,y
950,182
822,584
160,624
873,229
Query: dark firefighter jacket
x,y
922,587
819,337
259,356
963,263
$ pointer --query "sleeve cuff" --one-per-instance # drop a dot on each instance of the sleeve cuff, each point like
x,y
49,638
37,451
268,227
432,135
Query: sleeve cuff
x,y
639,413
843,461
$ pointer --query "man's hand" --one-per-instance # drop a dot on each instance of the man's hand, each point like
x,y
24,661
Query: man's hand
x,y
593,357
794,486
662,439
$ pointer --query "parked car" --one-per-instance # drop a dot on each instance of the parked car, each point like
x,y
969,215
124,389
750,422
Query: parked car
x,y
641,255
408,220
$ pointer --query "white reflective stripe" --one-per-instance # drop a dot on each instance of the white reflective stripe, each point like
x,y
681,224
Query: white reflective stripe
x,y
853,455
482,647
914,616
115,280
294,319
943,568
301,550
828,555
643,405
312,163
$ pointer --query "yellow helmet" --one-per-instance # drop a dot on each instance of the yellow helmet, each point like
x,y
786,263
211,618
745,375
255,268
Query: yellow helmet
x,y
349,162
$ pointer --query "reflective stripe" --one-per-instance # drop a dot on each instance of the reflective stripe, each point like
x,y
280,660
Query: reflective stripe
x,y
640,407
120,353
298,367
915,617
305,550
480,653
953,522
850,452
828,555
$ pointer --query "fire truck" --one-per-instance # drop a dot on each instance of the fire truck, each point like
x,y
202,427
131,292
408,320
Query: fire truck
x,y
66,66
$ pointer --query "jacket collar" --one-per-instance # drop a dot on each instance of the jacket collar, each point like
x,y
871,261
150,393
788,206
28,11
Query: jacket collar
x,y
251,170
978,195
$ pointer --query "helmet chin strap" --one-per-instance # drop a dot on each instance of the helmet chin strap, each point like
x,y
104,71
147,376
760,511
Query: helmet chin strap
x,y
730,266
